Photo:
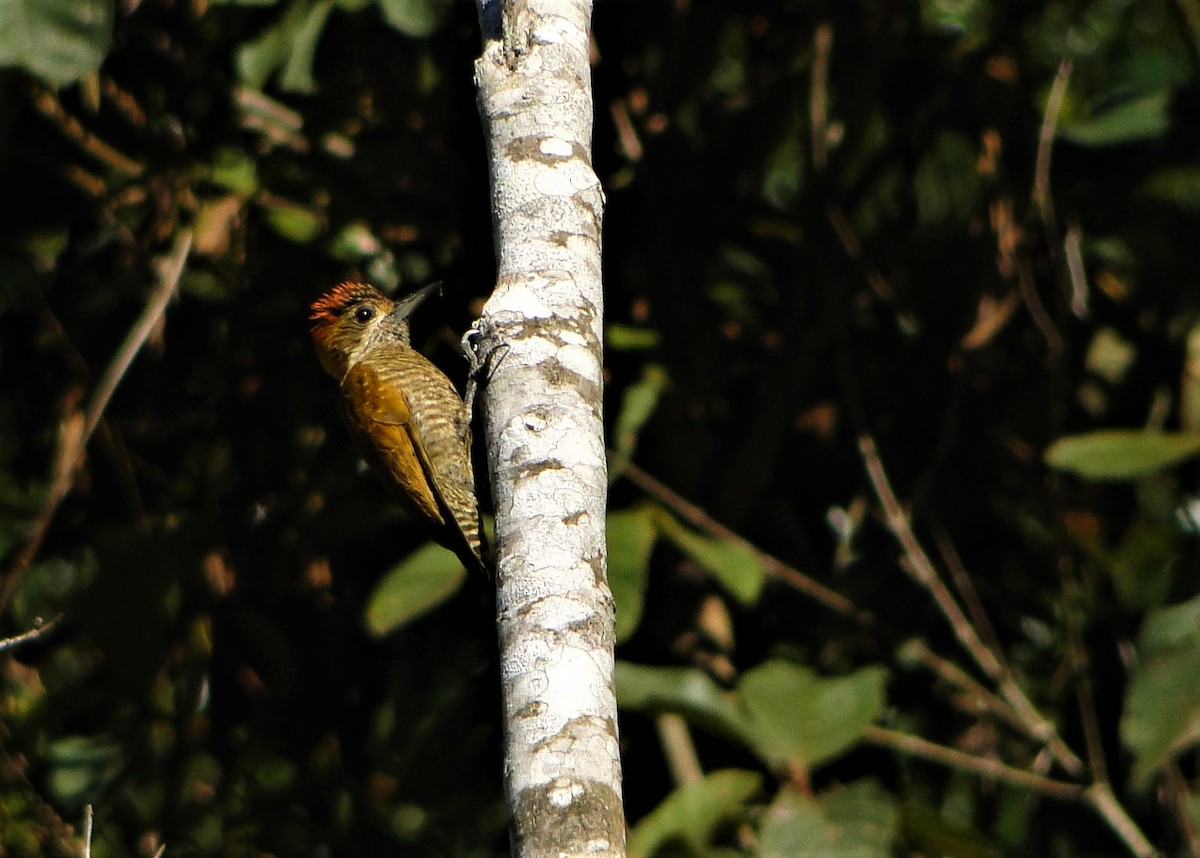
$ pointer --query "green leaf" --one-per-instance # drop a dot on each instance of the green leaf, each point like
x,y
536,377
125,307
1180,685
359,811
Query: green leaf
x,y
1121,454
1177,185
59,41
234,170
289,44
293,221
688,691
1162,704
416,18
639,403
297,75
81,767
630,338
695,812
857,821
631,535
735,566
417,584
794,717
1143,118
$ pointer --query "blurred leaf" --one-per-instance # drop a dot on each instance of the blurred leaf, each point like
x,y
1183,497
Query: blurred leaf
x,y
1121,454
80,767
290,43
1142,118
783,175
1162,704
297,73
948,187
293,221
233,170
416,18
794,717
856,821
1110,355
416,585
930,834
1177,185
637,406
629,338
355,241
734,566
688,691
694,812
59,41
631,535
957,16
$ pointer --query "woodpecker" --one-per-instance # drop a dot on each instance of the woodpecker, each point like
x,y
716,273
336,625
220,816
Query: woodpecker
x,y
408,419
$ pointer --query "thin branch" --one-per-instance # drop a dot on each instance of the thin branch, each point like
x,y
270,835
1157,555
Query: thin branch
x,y
87,831
918,565
818,97
956,759
678,748
46,103
964,683
1041,174
75,437
1180,800
772,565
1101,798
31,635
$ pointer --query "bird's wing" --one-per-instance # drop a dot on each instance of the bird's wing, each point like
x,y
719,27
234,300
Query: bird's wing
x,y
381,414
396,435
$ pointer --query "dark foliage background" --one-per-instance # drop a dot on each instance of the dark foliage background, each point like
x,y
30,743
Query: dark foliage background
x,y
966,229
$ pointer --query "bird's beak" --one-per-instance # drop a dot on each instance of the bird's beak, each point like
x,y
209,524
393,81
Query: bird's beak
x,y
406,305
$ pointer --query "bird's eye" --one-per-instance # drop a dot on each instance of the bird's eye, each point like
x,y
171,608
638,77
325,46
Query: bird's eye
x,y
364,314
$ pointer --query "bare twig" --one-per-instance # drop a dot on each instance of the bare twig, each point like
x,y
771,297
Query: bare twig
x,y
1101,798
1179,797
678,748
954,758
73,443
818,98
31,635
918,565
1041,174
87,831
772,565
966,589
47,104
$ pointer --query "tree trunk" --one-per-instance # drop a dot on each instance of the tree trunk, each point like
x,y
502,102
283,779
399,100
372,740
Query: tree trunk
x,y
540,337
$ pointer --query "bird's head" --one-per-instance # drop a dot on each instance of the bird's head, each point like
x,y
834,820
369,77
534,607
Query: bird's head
x,y
352,317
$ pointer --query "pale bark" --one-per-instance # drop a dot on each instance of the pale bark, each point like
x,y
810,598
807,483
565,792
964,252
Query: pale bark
x,y
540,338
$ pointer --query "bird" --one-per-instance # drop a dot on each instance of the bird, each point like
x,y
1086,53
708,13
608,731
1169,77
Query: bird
x,y
407,417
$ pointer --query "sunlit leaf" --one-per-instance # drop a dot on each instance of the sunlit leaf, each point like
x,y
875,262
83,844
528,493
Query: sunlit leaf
x,y
59,41
1142,118
794,717
693,813
79,767
734,566
233,170
417,18
288,44
293,221
637,406
1119,454
856,821
416,585
631,535
685,690
628,338
1162,704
